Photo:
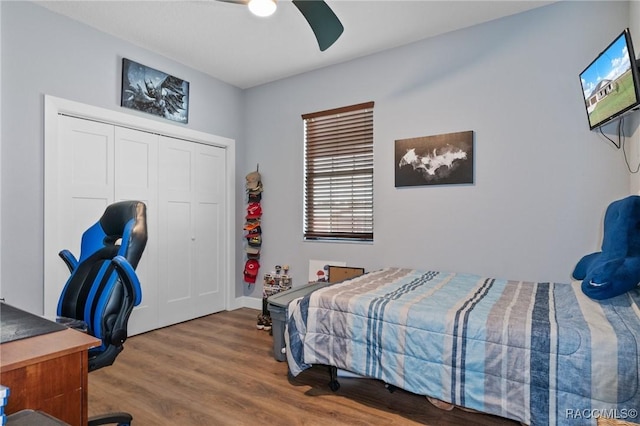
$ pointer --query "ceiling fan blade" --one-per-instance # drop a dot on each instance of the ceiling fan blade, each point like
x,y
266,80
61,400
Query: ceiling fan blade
x,y
325,24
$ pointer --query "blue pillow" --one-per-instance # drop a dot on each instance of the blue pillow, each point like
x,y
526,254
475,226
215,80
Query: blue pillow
x,y
616,269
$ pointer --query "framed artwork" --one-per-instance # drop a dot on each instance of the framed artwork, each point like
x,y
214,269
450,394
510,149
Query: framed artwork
x,y
154,92
445,159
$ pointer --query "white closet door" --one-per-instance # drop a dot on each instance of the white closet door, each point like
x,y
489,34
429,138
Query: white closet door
x,y
92,164
191,259
85,186
175,257
210,257
136,178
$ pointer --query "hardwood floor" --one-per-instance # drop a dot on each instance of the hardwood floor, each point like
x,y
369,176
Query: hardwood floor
x,y
219,370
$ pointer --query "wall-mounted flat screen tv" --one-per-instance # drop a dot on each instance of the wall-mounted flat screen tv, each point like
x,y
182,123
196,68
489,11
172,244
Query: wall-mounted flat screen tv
x,y
610,82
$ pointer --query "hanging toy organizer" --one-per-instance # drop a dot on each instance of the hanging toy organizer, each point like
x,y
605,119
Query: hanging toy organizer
x,y
253,239
253,236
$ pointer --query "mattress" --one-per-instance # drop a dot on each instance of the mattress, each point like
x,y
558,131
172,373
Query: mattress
x,y
539,353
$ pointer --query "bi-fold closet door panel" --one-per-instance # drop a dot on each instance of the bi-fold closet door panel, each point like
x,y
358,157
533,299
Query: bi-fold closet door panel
x,y
80,190
210,257
87,175
136,178
192,178
183,185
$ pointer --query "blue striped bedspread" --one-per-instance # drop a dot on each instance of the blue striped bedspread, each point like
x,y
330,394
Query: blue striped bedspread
x,y
540,353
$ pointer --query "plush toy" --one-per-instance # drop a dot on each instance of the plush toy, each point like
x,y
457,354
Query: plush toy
x,y
616,269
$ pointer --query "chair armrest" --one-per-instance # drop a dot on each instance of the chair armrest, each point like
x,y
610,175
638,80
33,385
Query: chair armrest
x,y
132,297
69,259
129,278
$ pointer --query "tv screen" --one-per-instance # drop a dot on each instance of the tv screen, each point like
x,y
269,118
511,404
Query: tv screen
x,y
610,82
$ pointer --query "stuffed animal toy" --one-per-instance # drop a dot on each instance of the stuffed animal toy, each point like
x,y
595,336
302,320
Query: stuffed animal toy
x,y
616,269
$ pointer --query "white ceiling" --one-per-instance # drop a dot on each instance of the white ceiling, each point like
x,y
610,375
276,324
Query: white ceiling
x,y
227,42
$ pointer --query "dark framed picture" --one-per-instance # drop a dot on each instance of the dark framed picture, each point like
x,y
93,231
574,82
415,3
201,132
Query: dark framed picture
x,y
154,92
445,159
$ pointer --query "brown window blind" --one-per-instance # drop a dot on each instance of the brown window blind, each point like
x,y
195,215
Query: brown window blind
x,y
339,174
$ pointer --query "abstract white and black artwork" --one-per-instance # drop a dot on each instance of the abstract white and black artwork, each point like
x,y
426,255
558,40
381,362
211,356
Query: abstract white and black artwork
x,y
445,159
154,92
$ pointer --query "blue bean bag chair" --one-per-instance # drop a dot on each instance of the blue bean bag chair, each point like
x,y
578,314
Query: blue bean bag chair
x,y
616,269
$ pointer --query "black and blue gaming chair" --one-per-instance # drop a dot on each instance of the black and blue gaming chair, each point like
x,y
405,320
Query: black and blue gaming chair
x,y
103,287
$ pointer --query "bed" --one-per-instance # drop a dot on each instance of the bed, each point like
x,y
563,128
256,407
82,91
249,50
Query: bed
x,y
539,353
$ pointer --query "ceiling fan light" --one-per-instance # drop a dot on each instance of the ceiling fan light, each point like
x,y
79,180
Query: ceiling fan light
x,y
262,7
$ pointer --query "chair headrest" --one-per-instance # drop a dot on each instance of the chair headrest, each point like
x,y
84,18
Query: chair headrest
x,y
126,220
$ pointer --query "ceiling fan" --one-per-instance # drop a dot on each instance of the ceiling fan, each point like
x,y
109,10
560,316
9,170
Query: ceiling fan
x,y
325,24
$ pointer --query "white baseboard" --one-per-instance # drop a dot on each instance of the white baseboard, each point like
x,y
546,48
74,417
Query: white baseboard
x,y
247,302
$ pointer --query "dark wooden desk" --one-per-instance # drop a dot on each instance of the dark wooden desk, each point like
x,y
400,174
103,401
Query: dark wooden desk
x,y
48,373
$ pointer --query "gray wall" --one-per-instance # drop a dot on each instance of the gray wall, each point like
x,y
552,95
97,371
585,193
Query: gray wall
x,y
542,179
632,125
45,53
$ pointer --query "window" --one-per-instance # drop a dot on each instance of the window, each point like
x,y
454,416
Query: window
x,y
338,164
